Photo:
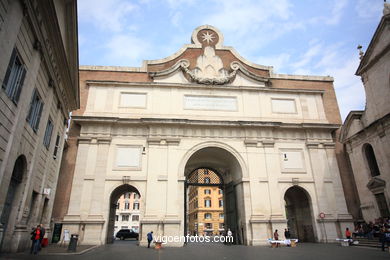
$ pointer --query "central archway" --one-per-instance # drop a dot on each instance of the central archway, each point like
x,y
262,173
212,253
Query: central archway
x,y
226,175
115,195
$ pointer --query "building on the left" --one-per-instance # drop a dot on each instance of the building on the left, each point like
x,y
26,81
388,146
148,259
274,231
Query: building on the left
x,y
39,87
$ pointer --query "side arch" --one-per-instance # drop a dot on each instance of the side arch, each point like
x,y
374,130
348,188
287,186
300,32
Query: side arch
x,y
299,213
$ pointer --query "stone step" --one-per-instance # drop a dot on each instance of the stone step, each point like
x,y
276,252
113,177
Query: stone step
x,y
368,242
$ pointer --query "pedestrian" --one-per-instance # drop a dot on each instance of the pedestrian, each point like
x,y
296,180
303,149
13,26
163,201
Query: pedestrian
x,y
36,236
43,231
32,240
230,236
276,237
287,234
150,238
348,233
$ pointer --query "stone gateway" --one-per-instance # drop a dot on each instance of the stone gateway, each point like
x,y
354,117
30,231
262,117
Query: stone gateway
x,y
270,138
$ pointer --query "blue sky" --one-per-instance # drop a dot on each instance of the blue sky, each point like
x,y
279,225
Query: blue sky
x,y
305,37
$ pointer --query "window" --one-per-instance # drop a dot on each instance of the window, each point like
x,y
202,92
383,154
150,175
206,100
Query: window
x,y
117,205
207,191
127,205
221,215
371,160
207,203
220,203
382,204
207,180
57,145
136,196
48,132
116,217
221,226
220,191
136,205
196,216
208,225
196,204
206,171
127,195
36,106
207,215
125,217
14,77
135,218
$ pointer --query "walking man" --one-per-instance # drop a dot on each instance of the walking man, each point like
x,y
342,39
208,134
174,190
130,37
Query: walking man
x,y
276,237
36,237
43,231
150,238
230,237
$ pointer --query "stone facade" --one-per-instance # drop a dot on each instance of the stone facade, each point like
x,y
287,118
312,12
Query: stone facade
x,y
39,79
205,212
269,136
128,212
366,134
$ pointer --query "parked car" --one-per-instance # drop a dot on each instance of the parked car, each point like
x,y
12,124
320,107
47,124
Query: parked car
x,y
126,233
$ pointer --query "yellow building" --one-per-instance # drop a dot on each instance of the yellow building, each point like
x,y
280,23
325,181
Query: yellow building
x,y
205,208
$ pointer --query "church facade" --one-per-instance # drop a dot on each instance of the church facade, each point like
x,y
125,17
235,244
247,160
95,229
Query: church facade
x,y
268,137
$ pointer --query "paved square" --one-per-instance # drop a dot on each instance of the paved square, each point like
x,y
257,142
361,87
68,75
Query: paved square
x,y
129,250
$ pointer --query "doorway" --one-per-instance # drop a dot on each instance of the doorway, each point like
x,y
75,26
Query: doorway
x,y
125,214
212,193
298,213
13,193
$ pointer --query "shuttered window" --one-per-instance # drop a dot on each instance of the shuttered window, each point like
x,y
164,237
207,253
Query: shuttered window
x,y
14,77
48,133
36,107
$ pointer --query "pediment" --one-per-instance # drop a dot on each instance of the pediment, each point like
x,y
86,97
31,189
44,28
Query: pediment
x,y
375,184
379,45
206,61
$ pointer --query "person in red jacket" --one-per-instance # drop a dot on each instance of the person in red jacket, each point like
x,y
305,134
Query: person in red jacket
x,y
348,233
36,237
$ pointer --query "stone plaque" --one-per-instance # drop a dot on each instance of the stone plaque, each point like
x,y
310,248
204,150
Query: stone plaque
x,y
283,106
128,157
136,100
210,103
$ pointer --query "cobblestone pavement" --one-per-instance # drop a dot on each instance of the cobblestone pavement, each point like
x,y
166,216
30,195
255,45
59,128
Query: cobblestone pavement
x,y
129,250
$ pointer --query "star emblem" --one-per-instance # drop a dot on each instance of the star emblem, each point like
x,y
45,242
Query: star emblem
x,y
208,37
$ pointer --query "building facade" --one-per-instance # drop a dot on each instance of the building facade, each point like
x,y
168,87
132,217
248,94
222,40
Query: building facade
x,y
39,87
127,212
366,134
205,208
269,137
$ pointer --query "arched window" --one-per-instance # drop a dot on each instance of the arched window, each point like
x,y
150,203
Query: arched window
x,y
371,160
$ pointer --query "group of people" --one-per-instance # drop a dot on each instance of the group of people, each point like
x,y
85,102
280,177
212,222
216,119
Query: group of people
x,y
287,235
37,236
379,229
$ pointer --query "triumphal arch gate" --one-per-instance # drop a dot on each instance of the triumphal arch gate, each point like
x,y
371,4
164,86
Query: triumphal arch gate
x,y
269,138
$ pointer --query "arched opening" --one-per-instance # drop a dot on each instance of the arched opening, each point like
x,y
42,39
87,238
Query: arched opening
x,y
12,197
125,214
212,192
371,160
298,213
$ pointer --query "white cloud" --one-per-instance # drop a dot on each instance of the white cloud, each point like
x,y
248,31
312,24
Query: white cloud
x,y
126,50
369,9
337,12
308,56
109,15
279,62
